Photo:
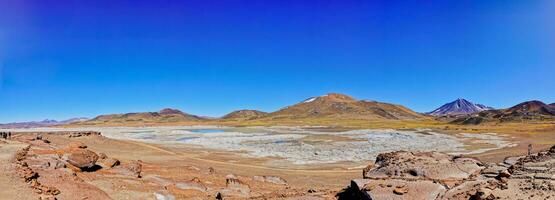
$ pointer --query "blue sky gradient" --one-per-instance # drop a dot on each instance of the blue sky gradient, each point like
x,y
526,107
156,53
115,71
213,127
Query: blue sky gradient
x,y
62,59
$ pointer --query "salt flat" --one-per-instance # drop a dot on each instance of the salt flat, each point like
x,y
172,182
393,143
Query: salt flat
x,y
300,146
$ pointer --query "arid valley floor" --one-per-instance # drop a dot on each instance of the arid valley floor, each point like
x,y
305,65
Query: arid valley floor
x,y
208,162
328,147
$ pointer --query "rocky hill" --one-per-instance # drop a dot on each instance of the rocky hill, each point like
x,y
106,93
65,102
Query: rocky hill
x,y
532,108
339,105
459,107
244,115
167,115
526,111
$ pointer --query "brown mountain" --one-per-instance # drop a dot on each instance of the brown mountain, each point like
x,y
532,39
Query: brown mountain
x,y
163,116
525,111
339,105
244,114
532,108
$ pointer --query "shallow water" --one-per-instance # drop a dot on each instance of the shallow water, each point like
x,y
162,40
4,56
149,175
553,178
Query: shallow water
x,y
206,130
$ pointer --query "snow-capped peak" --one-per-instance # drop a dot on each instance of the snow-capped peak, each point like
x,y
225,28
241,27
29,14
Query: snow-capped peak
x,y
459,107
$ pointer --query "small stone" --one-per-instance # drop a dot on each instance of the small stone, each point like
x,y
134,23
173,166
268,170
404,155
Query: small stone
x,y
483,194
102,156
108,163
77,145
400,190
136,168
504,174
59,164
230,176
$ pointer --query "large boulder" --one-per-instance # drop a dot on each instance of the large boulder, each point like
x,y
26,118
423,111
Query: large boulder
x,y
423,165
397,189
83,159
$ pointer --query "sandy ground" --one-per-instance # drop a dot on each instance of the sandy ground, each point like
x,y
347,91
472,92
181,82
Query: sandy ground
x,y
175,158
165,166
11,186
300,148
163,170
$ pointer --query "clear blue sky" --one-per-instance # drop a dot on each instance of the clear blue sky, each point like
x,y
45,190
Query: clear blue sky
x,y
62,59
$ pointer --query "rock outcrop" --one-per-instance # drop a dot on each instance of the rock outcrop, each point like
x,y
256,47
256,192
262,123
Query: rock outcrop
x,y
31,177
108,163
194,184
235,188
438,176
83,159
423,166
270,179
135,168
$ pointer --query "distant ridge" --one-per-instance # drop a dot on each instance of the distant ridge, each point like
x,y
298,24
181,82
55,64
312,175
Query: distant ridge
x,y
166,115
334,109
245,114
343,106
525,111
532,108
459,107
170,111
43,123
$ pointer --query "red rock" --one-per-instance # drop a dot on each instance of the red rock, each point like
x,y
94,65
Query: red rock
x,y
108,163
400,190
136,168
81,158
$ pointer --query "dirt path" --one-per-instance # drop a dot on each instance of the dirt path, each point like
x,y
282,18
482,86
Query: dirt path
x,y
11,186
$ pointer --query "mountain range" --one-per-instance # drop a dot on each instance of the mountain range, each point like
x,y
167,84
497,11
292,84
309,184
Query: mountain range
x,y
526,111
43,123
459,107
167,115
333,107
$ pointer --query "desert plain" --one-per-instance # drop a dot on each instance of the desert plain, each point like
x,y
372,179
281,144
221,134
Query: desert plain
x,y
268,162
